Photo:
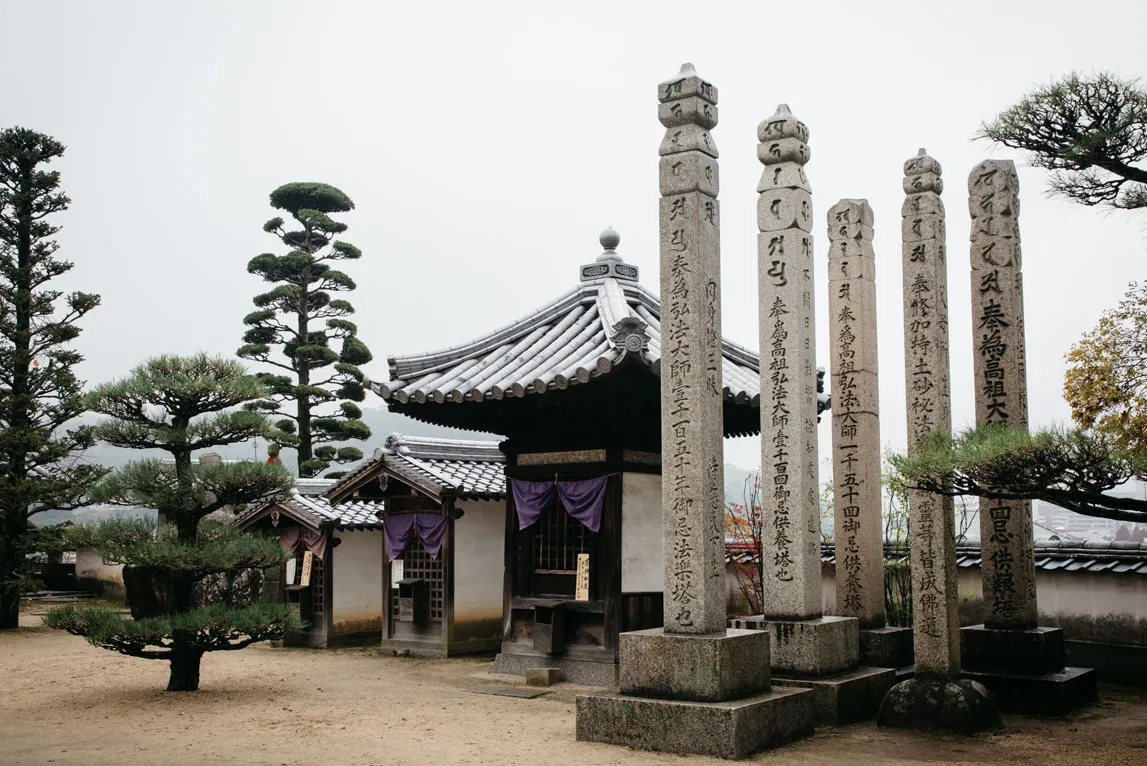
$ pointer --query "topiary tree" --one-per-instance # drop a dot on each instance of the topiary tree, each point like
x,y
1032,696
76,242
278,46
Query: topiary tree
x,y
39,391
314,375
181,405
1090,131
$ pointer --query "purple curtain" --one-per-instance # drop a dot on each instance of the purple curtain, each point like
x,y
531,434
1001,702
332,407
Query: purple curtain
x,y
290,538
400,528
584,500
531,498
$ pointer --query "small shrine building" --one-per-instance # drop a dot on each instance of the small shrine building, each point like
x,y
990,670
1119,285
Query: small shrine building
x,y
574,388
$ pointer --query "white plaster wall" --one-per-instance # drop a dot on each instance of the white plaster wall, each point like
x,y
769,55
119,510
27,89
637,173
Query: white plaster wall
x,y
357,587
92,573
642,558
479,563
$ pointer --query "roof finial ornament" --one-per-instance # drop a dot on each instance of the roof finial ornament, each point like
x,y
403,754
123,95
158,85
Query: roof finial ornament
x,y
609,240
609,264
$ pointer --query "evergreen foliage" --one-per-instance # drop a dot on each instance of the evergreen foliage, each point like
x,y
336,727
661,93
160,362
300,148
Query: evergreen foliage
x,y
1073,468
182,404
313,377
39,391
1091,132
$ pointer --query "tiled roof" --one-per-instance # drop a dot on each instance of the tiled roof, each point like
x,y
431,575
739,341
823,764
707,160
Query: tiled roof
x,y
307,501
577,338
1050,555
471,469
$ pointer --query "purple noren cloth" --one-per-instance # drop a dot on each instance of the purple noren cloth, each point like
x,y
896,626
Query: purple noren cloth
x,y
401,526
291,538
584,500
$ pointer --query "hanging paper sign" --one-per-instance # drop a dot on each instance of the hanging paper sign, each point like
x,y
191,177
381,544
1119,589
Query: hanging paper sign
x,y
582,592
292,565
308,560
395,572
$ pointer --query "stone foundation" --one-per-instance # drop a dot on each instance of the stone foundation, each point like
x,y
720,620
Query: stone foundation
x,y
963,707
576,671
1042,694
886,647
701,668
733,729
846,697
814,648
1034,651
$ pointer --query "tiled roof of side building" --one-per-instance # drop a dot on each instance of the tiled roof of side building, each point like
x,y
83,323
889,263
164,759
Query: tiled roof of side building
x,y
308,503
471,469
579,337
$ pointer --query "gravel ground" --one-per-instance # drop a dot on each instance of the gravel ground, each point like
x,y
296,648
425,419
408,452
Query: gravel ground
x,y
63,701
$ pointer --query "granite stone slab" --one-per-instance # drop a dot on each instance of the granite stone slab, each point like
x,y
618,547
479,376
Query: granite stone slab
x,y
731,730
705,668
846,697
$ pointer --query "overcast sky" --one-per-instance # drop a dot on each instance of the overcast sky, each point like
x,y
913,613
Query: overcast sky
x,y
487,144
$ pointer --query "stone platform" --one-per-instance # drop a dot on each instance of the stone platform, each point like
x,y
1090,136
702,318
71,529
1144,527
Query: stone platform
x,y
886,647
574,670
812,648
700,668
1033,651
847,697
733,729
1039,694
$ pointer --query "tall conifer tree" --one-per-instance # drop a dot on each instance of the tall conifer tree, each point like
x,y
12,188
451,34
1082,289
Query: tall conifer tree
x,y
39,391
314,376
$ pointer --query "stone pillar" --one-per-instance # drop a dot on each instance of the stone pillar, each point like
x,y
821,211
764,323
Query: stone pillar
x,y
804,643
790,491
858,530
937,698
928,403
693,486
693,686
1007,542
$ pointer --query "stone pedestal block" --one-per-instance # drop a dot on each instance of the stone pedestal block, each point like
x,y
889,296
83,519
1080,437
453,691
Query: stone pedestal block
x,y
958,707
1033,651
543,676
1043,694
812,648
886,647
732,730
574,670
702,668
845,698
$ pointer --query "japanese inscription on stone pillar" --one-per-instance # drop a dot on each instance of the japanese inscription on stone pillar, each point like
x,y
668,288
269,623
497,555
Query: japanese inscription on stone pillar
x,y
1001,385
859,532
928,398
691,378
789,485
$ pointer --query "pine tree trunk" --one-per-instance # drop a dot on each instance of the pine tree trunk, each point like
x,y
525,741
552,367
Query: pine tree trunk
x,y
9,608
184,665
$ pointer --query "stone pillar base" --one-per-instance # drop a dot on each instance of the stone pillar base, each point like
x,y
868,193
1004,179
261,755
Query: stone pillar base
x,y
957,707
1039,694
886,647
702,668
846,697
576,671
732,729
814,648
1035,651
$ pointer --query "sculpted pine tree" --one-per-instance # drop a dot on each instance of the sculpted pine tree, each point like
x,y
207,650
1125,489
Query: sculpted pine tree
x,y
181,405
39,392
315,377
1091,132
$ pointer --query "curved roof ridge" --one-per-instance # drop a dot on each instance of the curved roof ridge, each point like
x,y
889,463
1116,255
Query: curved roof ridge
x,y
401,366
440,448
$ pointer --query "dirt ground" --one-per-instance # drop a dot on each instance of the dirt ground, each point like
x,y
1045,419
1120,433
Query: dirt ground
x,y
65,702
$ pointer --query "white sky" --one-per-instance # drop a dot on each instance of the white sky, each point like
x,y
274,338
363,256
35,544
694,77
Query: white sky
x,y
487,144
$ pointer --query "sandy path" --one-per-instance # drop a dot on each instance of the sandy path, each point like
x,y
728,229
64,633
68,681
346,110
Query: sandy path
x,y
63,701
